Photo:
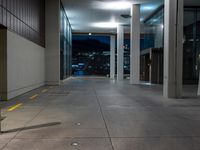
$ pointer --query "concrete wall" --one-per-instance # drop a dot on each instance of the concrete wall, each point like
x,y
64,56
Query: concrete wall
x,y
25,65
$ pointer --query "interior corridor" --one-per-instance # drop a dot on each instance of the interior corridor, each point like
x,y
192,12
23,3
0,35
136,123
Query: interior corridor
x,y
99,114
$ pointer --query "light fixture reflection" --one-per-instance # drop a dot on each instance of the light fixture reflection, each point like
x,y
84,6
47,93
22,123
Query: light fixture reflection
x,y
141,19
120,5
105,24
146,8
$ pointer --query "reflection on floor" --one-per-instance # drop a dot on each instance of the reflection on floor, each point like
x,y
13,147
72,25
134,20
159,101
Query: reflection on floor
x,y
100,114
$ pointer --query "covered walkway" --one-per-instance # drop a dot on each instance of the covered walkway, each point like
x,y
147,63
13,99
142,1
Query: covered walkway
x,y
99,114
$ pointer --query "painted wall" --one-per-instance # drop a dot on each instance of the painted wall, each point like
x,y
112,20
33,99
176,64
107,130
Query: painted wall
x,y
25,65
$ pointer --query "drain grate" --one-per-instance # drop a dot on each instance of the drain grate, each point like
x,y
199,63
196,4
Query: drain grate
x,y
78,124
74,144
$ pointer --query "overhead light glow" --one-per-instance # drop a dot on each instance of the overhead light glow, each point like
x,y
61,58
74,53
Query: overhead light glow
x,y
155,20
146,8
120,5
141,19
105,25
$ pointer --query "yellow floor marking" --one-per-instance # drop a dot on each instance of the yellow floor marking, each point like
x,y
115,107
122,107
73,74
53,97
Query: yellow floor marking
x,y
44,91
51,87
15,107
34,97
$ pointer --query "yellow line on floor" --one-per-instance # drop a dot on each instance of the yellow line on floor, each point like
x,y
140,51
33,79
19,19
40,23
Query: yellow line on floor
x,y
44,91
34,96
15,107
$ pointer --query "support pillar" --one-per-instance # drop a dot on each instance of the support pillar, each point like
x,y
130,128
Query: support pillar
x,y
135,45
112,57
173,48
52,43
120,52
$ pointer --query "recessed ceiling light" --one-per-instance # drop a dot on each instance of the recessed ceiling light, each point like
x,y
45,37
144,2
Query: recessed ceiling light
x,y
119,5
105,24
147,7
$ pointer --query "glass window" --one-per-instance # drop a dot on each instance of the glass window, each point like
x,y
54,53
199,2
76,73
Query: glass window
x,y
198,31
189,56
154,31
198,39
155,26
65,46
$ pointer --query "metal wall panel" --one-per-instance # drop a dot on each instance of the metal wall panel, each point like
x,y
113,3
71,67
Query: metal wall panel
x,y
25,17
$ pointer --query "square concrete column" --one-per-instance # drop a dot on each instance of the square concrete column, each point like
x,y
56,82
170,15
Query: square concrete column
x,y
112,56
173,48
120,52
52,43
135,45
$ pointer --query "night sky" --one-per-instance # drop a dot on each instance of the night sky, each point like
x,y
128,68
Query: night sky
x,y
103,39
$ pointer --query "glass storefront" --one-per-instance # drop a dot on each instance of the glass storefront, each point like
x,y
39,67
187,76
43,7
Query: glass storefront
x,y
65,45
189,58
191,45
155,25
191,49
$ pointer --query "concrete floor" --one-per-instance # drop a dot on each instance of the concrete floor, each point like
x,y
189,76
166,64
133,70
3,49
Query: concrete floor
x,y
99,114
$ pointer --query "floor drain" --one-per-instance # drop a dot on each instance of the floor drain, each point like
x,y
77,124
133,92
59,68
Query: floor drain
x,y
78,124
74,144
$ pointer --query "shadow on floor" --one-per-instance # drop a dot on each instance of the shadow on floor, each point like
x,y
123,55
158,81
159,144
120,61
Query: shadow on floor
x,y
32,127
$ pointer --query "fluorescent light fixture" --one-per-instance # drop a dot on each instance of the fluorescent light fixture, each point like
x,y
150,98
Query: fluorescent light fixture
x,y
105,24
147,7
119,5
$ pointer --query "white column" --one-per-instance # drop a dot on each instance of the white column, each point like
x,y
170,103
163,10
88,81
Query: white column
x,y
112,56
120,52
135,45
173,48
52,36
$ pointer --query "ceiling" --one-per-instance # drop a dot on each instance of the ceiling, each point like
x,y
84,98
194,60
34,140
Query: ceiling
x,y
84,15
